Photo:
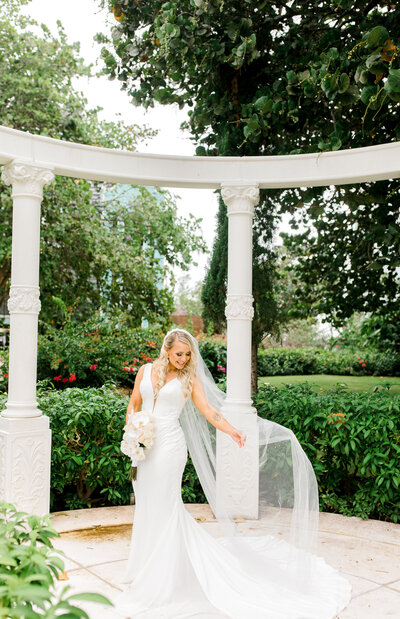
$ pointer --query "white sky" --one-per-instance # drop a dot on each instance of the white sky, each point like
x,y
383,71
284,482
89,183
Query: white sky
x,y
82,19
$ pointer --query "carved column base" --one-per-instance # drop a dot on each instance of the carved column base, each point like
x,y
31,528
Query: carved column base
x,y
25,447
237,467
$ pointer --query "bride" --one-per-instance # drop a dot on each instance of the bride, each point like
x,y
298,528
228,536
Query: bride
x,y
178,568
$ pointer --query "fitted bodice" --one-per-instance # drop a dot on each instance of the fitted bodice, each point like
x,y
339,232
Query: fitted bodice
x,y
170,399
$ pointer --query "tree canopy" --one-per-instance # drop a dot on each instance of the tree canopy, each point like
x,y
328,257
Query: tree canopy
x,y
276,77
267,77
101,246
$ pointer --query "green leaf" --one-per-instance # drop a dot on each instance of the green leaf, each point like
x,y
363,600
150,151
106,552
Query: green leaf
x,y
344,83
91,597
335,143
367,93
394,80
377,36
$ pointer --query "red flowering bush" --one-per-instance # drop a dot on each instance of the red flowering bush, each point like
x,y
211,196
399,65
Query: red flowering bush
x,y
94,352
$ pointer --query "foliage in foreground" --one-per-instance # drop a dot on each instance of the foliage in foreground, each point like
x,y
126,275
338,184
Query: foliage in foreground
x,y
352,441
30,567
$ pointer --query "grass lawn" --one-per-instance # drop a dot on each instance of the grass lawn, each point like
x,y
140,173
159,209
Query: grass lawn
x,y
327,381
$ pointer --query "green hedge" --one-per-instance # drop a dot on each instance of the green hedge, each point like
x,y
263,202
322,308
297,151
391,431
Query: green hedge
x,y
88,468
352,440
283,362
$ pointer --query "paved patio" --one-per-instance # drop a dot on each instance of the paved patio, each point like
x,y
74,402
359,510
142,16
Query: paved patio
x,y
367,552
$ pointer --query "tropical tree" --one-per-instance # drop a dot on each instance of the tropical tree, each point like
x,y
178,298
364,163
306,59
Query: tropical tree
x,y
101,247
275,78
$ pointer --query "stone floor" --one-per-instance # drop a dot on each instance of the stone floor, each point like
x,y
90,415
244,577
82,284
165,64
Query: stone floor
x,y
367,552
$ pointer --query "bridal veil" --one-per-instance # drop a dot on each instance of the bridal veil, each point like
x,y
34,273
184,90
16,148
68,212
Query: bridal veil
x,y
288,506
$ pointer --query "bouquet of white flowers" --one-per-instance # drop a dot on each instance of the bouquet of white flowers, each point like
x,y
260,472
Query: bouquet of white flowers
x,y
138,435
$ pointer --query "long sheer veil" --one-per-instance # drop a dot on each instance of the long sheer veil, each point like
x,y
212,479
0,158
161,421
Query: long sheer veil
x,y
288,506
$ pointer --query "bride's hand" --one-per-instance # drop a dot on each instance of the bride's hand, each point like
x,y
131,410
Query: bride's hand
x,y
239,437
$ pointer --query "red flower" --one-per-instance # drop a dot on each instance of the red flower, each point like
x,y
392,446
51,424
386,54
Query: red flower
x,y
72,378
364,365
126,369
148,359
57,378
131,369
65,380
94,366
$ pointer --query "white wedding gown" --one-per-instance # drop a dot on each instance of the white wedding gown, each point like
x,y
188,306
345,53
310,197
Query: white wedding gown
x,y
178,570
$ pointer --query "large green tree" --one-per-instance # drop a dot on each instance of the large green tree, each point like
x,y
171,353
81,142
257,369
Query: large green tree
x,y
99,245
274,77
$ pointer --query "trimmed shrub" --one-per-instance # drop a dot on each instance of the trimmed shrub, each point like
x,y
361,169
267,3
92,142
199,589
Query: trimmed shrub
x,y
88,468
352,441
299,361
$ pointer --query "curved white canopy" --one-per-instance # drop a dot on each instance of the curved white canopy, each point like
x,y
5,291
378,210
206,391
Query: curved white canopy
x,y
80,161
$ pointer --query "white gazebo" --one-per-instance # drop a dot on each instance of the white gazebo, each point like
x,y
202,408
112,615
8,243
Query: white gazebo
x,y
29,163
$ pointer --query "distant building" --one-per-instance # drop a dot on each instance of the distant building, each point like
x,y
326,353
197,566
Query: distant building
x,y
182,319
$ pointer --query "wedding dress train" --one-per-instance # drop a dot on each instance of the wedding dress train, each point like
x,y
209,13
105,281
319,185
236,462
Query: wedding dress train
x,y
177,570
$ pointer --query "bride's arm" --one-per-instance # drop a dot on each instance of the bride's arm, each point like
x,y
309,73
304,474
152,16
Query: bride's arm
x,y
213,416
135,401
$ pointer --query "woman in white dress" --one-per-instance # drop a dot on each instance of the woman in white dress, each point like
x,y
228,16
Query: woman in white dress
x,y
176,568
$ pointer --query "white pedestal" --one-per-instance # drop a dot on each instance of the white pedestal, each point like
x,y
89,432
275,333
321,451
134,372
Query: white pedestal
x,y
25,451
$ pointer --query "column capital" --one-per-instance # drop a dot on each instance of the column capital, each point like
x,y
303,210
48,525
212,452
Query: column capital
x,y
26,178
240,198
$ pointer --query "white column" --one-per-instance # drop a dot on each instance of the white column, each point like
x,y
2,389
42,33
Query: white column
x,y
237,468
25,437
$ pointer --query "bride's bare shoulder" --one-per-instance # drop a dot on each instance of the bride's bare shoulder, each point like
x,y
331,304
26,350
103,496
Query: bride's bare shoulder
x,y
140,372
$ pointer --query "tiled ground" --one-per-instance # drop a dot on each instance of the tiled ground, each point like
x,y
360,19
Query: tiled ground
x,y
367,552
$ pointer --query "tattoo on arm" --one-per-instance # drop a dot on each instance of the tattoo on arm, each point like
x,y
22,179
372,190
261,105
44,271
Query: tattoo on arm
x,y
217,417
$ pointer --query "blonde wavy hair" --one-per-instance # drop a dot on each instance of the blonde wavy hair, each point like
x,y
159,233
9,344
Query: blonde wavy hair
x,y
161,364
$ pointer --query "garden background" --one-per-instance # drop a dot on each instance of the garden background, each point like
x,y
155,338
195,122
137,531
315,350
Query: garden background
x,y
108,253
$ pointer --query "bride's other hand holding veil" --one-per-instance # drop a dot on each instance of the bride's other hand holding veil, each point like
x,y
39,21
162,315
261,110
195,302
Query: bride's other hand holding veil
x,y
213,416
